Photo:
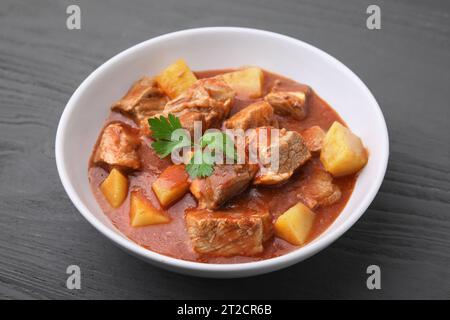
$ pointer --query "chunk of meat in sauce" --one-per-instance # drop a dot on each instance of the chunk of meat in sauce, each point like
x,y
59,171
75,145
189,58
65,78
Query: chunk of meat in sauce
x,y
118,146
227,181
229,232
289,148
258,114
143,100
313,138
290,103
208,100
318,190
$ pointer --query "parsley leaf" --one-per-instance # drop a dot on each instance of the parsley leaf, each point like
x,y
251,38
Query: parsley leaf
x,y
199,170
163,127
163,148
166,138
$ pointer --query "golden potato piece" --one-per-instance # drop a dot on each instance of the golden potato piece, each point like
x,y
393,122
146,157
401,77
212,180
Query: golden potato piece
x,y
143,213
342,151
115,188
176,79
246,82
171,185
295,224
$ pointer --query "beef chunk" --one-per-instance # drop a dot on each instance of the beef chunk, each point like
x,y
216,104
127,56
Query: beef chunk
x,y
292,153
229,232
141,90
226,181
118,147
291,103
143,100
318,189
258,114
147,108
313,138
208,100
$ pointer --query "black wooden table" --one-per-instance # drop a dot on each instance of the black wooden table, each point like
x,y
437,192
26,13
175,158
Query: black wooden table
x,y
406,230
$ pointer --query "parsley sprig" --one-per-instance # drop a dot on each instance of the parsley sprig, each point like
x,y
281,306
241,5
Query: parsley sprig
x,y
203,159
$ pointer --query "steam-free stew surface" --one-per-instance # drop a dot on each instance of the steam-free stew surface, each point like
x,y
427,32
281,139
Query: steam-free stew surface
x,y
172,239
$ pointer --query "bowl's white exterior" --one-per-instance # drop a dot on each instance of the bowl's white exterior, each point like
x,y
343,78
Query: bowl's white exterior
x,y
216,48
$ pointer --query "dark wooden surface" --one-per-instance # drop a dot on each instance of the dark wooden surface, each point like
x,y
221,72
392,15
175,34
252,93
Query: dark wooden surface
x,y
406,230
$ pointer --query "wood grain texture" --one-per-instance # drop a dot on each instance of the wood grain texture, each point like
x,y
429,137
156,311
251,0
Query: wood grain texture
x,y
406,230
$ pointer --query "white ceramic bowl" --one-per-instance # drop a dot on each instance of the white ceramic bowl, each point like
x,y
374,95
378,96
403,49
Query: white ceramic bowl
x,y
216,48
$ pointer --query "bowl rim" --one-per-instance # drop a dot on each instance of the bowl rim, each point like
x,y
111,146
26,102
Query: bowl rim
x,y
248,268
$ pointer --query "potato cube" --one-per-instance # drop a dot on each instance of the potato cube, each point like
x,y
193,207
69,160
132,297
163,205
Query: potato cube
x,y
143,213
176,79
115,188
342,151
246,82
295,224
171,185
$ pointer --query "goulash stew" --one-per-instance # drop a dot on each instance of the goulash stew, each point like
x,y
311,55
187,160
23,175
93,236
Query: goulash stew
x,y
263,165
